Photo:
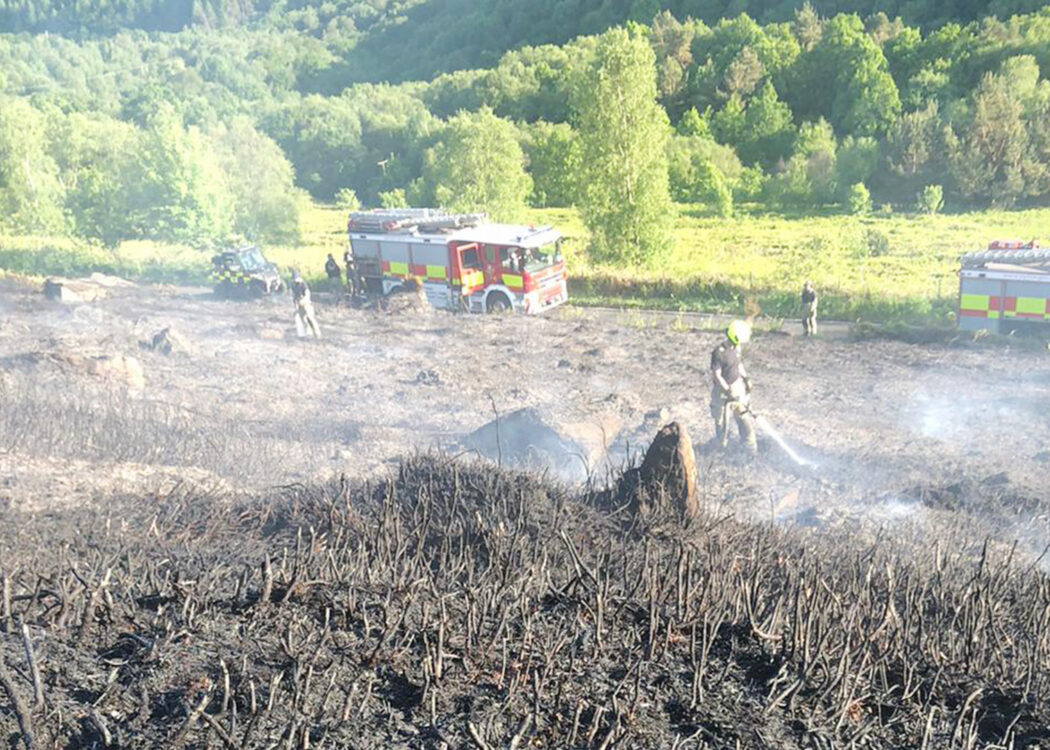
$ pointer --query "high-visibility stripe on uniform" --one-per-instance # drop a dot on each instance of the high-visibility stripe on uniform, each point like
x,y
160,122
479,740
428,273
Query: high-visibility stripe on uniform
x,y
513,281
472,278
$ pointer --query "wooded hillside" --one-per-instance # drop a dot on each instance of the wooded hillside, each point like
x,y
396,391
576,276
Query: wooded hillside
x,y
115,129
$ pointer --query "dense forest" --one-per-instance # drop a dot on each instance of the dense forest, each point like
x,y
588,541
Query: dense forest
x,y
193,121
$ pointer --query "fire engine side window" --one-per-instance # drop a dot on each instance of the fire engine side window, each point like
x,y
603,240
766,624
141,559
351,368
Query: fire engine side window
x,y
469,258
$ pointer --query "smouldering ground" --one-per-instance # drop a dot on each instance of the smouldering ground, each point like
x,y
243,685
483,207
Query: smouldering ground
x,y
957,434
180,576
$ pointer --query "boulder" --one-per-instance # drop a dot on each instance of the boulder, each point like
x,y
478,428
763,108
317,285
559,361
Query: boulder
x,y
169,341
667,478
59,292
71,291
111,282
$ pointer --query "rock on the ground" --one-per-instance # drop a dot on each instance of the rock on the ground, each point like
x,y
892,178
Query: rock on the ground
x,y
60,292
71,291
169,341
667,477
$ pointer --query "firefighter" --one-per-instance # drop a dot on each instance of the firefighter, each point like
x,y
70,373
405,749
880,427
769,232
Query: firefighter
x,y
731,387
334,272
353,282
809,309
305,322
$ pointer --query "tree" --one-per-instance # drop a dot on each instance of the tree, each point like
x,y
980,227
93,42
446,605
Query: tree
x,y
261,182
31,194
808,178
808,26
478,165
98,158
770,129
625,199
856,160
845,78
736,56
711,188
858,202
699,169
990,156
672,43
553,153
183,194
914,149
693,124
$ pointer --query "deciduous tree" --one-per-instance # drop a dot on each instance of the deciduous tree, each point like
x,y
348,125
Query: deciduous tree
x,y
478,165
625,199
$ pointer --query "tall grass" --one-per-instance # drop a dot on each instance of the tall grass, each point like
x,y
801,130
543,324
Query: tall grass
x,y
879,268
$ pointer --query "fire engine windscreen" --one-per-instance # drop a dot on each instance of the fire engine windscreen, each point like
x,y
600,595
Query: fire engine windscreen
x,y
536,259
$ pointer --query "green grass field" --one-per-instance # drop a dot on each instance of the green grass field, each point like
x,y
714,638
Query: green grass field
x,y
881,268
897,268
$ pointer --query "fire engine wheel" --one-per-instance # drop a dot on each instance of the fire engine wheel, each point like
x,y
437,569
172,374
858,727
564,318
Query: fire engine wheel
x,y
497,302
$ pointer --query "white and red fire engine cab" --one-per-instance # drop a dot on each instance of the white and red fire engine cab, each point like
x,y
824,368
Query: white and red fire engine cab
x,y
461,260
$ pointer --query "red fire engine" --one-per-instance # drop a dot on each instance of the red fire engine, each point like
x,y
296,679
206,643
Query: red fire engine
x,y
462,260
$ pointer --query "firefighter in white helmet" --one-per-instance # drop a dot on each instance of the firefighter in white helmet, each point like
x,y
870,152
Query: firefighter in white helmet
x,y
731,387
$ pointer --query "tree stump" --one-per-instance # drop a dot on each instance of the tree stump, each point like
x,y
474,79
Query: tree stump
x,y
667,477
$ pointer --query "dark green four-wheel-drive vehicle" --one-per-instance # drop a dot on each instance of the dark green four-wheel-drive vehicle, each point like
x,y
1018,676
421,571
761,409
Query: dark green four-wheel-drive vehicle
x,y
244,272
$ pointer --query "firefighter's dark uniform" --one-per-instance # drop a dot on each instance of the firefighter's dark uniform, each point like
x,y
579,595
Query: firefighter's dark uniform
x,y
725,359
334,272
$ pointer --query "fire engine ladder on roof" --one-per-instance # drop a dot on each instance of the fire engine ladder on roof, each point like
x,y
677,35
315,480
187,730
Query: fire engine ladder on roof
x,y
1018,256
407,219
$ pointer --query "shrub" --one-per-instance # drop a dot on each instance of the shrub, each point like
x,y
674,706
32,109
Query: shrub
x,y
859,200
930,200
877,242
347,199
393,199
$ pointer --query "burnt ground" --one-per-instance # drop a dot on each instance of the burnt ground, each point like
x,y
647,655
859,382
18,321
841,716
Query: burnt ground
x,y
935,451
894,429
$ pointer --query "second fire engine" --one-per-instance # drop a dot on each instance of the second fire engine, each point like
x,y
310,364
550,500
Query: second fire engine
x,y
1005,288
461,260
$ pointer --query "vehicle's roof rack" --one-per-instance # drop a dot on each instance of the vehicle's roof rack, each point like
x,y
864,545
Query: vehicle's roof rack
x,y
1015,253
407,220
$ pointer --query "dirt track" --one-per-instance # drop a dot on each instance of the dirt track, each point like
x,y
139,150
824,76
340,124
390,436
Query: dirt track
x,y
897,431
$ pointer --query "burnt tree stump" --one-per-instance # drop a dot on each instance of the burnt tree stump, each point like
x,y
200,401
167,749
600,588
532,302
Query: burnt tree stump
x,y
666,479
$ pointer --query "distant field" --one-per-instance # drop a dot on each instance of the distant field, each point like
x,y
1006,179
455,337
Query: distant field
x,y
881,268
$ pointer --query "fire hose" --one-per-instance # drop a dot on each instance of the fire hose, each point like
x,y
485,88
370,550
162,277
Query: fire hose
x,y
742,406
